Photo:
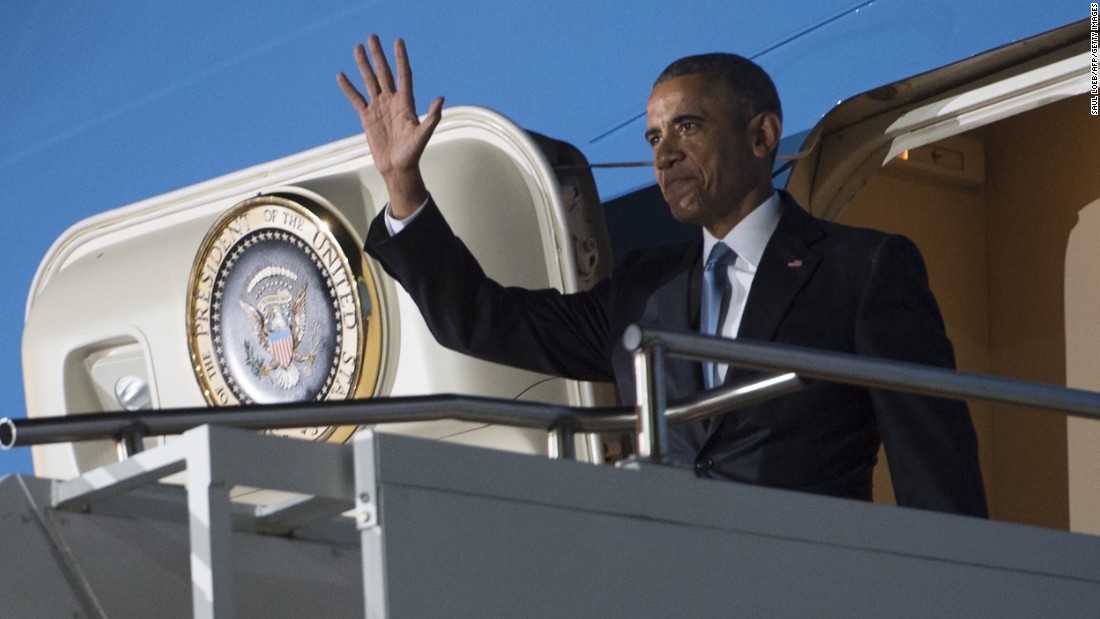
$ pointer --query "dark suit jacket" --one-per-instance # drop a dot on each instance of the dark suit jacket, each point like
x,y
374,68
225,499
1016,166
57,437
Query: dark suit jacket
x,y
819,284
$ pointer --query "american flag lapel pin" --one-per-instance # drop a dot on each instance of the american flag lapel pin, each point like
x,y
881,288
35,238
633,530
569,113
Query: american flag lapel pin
x,y
794,264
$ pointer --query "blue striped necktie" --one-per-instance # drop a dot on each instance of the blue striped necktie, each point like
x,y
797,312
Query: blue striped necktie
x,y
715,300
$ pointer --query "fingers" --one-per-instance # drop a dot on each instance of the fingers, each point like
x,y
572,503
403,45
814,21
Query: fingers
x,y
369,81
378,79
354,96
381,66
404,69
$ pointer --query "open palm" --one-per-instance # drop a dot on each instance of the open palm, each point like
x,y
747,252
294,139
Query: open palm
x,y
395,134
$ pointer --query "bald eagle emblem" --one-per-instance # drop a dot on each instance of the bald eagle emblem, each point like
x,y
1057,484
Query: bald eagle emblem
x,y
279,324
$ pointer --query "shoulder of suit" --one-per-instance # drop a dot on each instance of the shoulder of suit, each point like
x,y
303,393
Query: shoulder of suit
x,y
648,268
663,256
855,242
853,233
838,232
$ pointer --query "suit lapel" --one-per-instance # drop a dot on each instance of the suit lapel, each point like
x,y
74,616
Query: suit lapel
x,y
784,269
786,266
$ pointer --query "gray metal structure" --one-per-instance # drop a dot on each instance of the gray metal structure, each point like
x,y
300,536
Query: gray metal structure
x,y
114,543
392,526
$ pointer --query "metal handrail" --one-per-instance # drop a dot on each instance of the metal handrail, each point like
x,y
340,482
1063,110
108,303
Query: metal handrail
x,y
650,345
560,421
786,369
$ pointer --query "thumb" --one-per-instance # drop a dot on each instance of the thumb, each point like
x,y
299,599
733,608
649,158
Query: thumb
x,y
431,120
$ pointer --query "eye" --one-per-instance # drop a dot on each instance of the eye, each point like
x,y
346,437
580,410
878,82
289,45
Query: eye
x,y
688,126
653,140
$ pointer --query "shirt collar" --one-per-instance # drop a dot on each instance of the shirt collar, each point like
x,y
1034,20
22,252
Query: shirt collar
x,y
750,236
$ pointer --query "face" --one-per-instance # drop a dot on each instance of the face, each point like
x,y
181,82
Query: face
x,y
707,164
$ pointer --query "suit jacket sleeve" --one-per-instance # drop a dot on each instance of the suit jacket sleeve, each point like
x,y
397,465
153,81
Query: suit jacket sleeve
x,y
930,442
541,330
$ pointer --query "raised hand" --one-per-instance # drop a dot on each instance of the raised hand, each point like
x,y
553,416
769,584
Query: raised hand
x,y
394,133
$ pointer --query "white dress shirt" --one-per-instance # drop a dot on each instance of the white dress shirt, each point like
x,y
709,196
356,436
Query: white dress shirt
x,y
748,238
395,225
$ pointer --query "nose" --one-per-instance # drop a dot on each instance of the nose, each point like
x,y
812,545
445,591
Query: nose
x,y
666,153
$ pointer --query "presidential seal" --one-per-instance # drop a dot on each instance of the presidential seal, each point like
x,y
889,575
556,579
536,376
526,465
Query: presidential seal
x,y
281,309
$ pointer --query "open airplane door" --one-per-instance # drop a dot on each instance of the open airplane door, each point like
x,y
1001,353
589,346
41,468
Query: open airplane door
x,y
861,135
989,165
253,287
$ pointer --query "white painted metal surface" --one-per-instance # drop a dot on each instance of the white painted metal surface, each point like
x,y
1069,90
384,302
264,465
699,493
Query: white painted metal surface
x,y
109,300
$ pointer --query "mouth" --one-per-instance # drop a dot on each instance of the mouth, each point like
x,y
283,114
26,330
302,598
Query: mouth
x,y
676,185
670,182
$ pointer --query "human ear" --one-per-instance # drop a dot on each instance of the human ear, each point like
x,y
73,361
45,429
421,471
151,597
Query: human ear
x,y
765,129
